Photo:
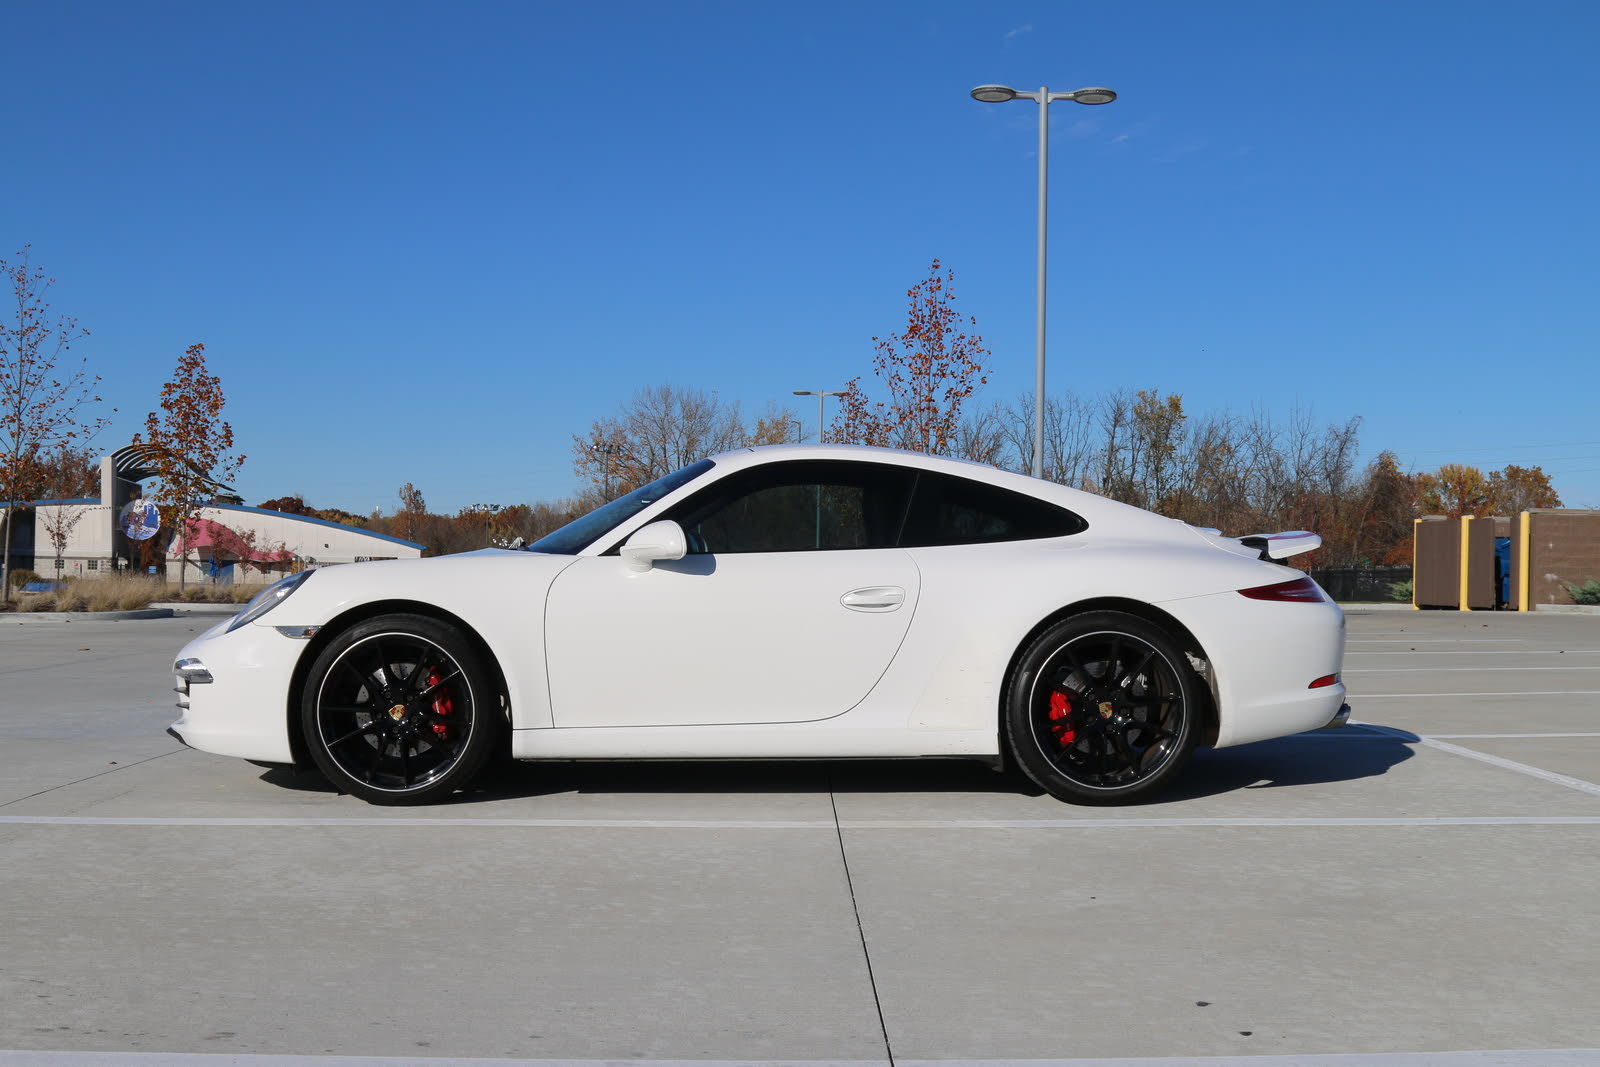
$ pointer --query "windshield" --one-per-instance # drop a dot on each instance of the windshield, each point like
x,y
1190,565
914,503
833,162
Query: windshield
x,y
580,533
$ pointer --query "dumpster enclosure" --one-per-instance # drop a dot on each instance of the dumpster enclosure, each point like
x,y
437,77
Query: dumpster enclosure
x,y
1511,564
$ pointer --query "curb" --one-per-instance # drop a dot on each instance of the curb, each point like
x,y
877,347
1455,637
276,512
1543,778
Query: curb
x,y
181,607
84,616
1569,609
1349,609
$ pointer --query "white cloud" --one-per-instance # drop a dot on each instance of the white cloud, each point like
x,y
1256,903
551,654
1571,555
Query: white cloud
x,y
1012,35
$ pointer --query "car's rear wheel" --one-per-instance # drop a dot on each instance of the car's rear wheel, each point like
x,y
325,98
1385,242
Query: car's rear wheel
x,y
1103,708
400,710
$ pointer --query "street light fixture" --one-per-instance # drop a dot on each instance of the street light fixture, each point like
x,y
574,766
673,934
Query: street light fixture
x,y
489,512
820,394
605,476
999,94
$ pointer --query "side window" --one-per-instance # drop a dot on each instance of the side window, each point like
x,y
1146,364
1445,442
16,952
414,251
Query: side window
x,y
947,510
804,506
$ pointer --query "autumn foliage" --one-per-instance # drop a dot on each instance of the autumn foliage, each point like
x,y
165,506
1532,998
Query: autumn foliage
x,y
929,370
1456,489
190,441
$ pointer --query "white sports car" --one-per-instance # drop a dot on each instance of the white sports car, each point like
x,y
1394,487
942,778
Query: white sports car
x,y
787,602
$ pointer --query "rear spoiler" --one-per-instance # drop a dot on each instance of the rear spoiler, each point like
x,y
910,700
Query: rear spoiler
x,y
1274,546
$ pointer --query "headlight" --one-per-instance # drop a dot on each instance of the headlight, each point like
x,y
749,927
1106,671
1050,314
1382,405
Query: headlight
x,y
267,599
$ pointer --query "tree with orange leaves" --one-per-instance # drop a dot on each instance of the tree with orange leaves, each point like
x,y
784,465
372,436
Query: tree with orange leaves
x,y
190,443
1454,490
1517,489
930,370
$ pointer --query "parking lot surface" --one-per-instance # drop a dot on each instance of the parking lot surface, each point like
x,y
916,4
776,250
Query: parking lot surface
x,y
1418,888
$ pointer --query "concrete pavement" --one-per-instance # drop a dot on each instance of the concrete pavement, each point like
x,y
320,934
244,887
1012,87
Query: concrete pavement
x,y
1424,885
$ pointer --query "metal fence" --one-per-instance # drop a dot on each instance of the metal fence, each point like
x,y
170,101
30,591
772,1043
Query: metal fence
x,y
1361,583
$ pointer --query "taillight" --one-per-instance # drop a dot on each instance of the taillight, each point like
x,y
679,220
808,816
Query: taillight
x,y
1325,681
1300,590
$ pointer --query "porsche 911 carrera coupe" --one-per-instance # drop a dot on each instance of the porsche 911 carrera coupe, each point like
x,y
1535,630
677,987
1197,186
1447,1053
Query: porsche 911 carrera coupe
x,y
787,602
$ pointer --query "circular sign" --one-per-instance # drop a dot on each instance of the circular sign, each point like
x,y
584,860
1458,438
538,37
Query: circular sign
x,y
140,520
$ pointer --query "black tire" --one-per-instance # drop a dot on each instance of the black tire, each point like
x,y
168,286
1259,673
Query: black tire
x,y
400,710
1103,708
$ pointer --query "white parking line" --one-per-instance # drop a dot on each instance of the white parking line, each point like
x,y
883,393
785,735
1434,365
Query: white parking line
x,y
1488,652
819,824
1437,640
1497,761
1441,736
1451,670
1530,693
1577,1057
1502,1058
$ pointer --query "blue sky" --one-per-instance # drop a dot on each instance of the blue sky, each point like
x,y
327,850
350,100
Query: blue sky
x,y
431,242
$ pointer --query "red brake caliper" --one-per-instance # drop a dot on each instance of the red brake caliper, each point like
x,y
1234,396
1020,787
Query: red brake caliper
x,y
1060,708
442,704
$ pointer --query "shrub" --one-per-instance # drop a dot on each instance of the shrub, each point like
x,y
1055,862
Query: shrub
x,y
1401,591
20,578
1587,593
121,592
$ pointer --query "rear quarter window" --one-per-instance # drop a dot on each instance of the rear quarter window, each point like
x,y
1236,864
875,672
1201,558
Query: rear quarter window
x,y
946,510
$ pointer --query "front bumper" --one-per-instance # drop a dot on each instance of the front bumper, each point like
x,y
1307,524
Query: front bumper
x,y
233,692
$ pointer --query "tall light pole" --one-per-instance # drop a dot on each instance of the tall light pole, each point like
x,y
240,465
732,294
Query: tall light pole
x,y
820,394
999,94
489,512
605,476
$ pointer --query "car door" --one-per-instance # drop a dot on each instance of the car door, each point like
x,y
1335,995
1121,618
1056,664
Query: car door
x,y
789,607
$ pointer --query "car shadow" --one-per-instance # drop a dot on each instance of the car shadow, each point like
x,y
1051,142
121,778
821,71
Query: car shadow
x,y
510,779
1305,759
1317,758
514,779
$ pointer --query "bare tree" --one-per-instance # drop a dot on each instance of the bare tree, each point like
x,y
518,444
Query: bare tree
x,y
981,437
59,520
1115,461
42,397
1068,438
663,428
413,511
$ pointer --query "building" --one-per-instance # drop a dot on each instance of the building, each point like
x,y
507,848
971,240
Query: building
x,y
228,543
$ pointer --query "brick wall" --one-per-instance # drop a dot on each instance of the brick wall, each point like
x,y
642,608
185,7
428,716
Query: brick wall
x,y
1562,546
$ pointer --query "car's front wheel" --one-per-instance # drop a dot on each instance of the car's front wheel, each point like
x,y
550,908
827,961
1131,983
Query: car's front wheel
x,y
400,709
1103,708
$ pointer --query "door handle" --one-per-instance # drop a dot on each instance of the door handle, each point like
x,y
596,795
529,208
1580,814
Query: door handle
x,y
874,598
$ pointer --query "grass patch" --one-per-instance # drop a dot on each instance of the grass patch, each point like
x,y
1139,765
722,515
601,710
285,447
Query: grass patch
x,y
130,592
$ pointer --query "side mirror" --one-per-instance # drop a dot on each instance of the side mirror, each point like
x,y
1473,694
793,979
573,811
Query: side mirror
x,y
658,540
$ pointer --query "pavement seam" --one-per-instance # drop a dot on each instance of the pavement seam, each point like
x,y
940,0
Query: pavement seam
x,y
92,777
855,908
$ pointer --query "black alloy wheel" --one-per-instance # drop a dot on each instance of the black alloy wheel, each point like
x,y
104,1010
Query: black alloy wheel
x,y
399,710
1103,708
